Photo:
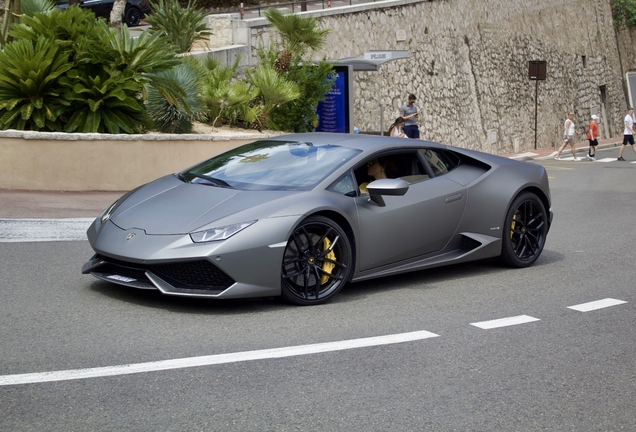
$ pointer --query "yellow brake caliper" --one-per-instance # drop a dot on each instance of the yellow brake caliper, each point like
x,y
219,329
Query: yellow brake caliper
x,y
327,267
512,226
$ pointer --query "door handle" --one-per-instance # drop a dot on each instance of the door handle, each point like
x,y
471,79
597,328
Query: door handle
x,y
456,197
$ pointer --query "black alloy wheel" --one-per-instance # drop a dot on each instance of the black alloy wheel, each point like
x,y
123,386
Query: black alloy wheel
x,y
316,263
525,231
132,17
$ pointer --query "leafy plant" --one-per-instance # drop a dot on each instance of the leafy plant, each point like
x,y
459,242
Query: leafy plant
x,y
273,91
172,118
225,98
182,26
103,103
624,12
31,7
298,35
75,30
30,85
145,56
314,82
107,71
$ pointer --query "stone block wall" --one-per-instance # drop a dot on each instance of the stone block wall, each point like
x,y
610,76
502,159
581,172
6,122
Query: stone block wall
x,y
468,66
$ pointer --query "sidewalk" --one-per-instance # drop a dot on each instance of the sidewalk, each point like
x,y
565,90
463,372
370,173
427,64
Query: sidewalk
x,y
53,204
549,152
20,204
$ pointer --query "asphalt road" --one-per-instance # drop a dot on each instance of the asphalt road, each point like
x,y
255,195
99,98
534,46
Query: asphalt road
x,y
560,369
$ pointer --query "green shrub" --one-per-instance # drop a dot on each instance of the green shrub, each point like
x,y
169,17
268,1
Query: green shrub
x,y
30,88
313,83
181,26
105,74
103,103
172,118
274,90
226,99
624,13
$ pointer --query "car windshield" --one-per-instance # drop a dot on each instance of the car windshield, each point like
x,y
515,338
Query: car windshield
x,y
271,165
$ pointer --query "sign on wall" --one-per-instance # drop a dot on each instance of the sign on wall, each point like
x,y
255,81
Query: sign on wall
x,y
335,112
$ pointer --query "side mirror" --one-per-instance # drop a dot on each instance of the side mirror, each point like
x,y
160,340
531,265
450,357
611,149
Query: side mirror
x,y
389,187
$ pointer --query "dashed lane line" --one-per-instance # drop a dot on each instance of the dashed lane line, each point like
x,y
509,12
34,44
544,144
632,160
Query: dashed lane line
x,y
67,375
595,305
504,322
75,374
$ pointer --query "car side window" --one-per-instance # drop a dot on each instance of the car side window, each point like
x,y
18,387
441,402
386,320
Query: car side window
x,y
345,185
441,162
405,165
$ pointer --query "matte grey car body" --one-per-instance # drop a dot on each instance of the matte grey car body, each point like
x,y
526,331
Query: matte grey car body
x,y
289,216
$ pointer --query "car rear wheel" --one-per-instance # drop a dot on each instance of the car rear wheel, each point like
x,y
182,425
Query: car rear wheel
x,y
132,17
316,263
525,231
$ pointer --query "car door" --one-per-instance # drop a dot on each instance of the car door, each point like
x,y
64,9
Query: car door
x,y
419,223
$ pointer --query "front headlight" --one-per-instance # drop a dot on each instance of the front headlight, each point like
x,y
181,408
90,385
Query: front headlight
x,y
109,211
220,233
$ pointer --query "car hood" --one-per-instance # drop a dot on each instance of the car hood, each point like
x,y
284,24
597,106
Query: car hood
x,y
168,206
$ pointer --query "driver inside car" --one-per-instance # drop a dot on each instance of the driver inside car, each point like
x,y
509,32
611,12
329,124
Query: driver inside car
x,y
379,168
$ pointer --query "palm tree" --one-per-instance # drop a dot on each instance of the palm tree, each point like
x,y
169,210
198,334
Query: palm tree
x,y
273,91
298,34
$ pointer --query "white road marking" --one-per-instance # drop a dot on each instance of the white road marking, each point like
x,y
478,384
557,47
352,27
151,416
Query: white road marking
x,y
31,378
40,230
522,155
504,322
606,160
599,304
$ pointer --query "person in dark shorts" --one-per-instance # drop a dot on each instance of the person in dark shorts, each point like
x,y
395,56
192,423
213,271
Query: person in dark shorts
x,y
628,133
592,136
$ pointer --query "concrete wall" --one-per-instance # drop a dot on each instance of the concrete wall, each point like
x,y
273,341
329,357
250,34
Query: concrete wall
x,y
100,162
468,66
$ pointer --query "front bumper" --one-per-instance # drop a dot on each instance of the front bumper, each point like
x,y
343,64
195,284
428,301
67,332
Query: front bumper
x,y
247,264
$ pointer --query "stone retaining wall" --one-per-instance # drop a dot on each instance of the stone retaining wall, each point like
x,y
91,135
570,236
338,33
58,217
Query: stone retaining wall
x,y
468,66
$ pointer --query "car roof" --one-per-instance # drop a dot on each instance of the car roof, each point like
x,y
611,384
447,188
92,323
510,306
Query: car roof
x,y
366,143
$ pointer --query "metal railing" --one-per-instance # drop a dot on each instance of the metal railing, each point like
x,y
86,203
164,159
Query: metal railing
x,y
299,6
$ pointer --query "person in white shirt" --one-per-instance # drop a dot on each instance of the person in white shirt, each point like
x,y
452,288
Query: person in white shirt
x,y
568,136
395,130
628,133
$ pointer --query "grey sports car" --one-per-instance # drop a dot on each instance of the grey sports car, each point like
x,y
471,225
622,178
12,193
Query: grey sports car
x,y
301,215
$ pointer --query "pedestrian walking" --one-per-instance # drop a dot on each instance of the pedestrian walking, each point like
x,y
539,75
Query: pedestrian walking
x,y
628,133
410,115
568,136
592,136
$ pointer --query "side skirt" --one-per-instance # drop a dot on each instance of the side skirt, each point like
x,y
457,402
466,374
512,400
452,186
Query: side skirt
x,y
464,247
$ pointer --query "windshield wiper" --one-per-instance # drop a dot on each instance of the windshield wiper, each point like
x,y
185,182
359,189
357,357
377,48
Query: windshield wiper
x,y
214,181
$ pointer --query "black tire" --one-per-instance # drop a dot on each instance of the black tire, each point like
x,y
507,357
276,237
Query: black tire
x,y
525,231
132,17
316,263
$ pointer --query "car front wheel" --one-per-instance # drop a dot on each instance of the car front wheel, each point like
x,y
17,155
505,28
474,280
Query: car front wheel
x,y
525,231
132,17
317,262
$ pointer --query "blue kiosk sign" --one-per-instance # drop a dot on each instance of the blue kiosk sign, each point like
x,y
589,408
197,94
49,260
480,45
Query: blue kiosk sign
x,y
334,113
